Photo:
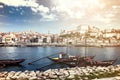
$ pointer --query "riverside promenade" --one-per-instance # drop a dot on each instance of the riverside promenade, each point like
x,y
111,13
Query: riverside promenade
x,y
76,73
61,45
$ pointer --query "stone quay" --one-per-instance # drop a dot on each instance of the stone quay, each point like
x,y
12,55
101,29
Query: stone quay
x,y
76,73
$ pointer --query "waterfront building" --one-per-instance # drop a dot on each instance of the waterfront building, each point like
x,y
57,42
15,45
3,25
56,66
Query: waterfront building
x,y
9,38
77,36
40,40
118,36
48,39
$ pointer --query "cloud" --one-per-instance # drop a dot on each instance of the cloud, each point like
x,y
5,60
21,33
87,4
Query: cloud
x,y
72,10
96,12
16,3
34,10
78,8
1,6
45,13
40,9
101,19
28,21
35,7
43,9
48,17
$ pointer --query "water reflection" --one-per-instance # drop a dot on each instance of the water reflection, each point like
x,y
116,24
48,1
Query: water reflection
x,y
9,53
34,53
109,53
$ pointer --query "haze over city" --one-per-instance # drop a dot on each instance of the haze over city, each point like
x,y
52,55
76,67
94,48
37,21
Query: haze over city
x,y
54,15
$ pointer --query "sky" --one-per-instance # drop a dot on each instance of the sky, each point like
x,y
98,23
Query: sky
x,y
56,15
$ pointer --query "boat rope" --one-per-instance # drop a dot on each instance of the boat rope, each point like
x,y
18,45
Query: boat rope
x,y
42,58
49,65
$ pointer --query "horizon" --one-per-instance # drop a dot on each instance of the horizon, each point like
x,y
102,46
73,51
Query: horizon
x,y
48,32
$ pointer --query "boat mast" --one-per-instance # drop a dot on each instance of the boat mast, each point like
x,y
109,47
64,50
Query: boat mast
x,y
67,46
85,45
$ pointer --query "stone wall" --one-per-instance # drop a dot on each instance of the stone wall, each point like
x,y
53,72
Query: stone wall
x,y
76,73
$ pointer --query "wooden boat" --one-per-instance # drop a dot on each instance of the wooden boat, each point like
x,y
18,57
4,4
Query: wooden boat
x,y
105,63
90,62
84,61
68,58
11,62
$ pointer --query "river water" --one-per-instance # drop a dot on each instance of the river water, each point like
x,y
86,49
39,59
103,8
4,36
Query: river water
x,y
34,53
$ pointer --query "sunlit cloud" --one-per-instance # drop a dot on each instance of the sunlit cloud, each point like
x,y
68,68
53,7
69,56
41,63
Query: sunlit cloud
x,y
29,3
77,9
49,17
102,19
40,8
95,12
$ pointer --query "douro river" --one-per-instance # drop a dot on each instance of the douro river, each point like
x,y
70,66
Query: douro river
x,y
34,53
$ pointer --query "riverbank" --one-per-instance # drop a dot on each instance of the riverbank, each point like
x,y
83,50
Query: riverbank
x,y
60,45
76,73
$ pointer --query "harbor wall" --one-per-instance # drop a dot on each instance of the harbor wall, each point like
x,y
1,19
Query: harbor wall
x,y
76,73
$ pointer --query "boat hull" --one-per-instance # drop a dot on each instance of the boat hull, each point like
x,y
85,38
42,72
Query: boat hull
x,y
69,59
91,63
11,61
